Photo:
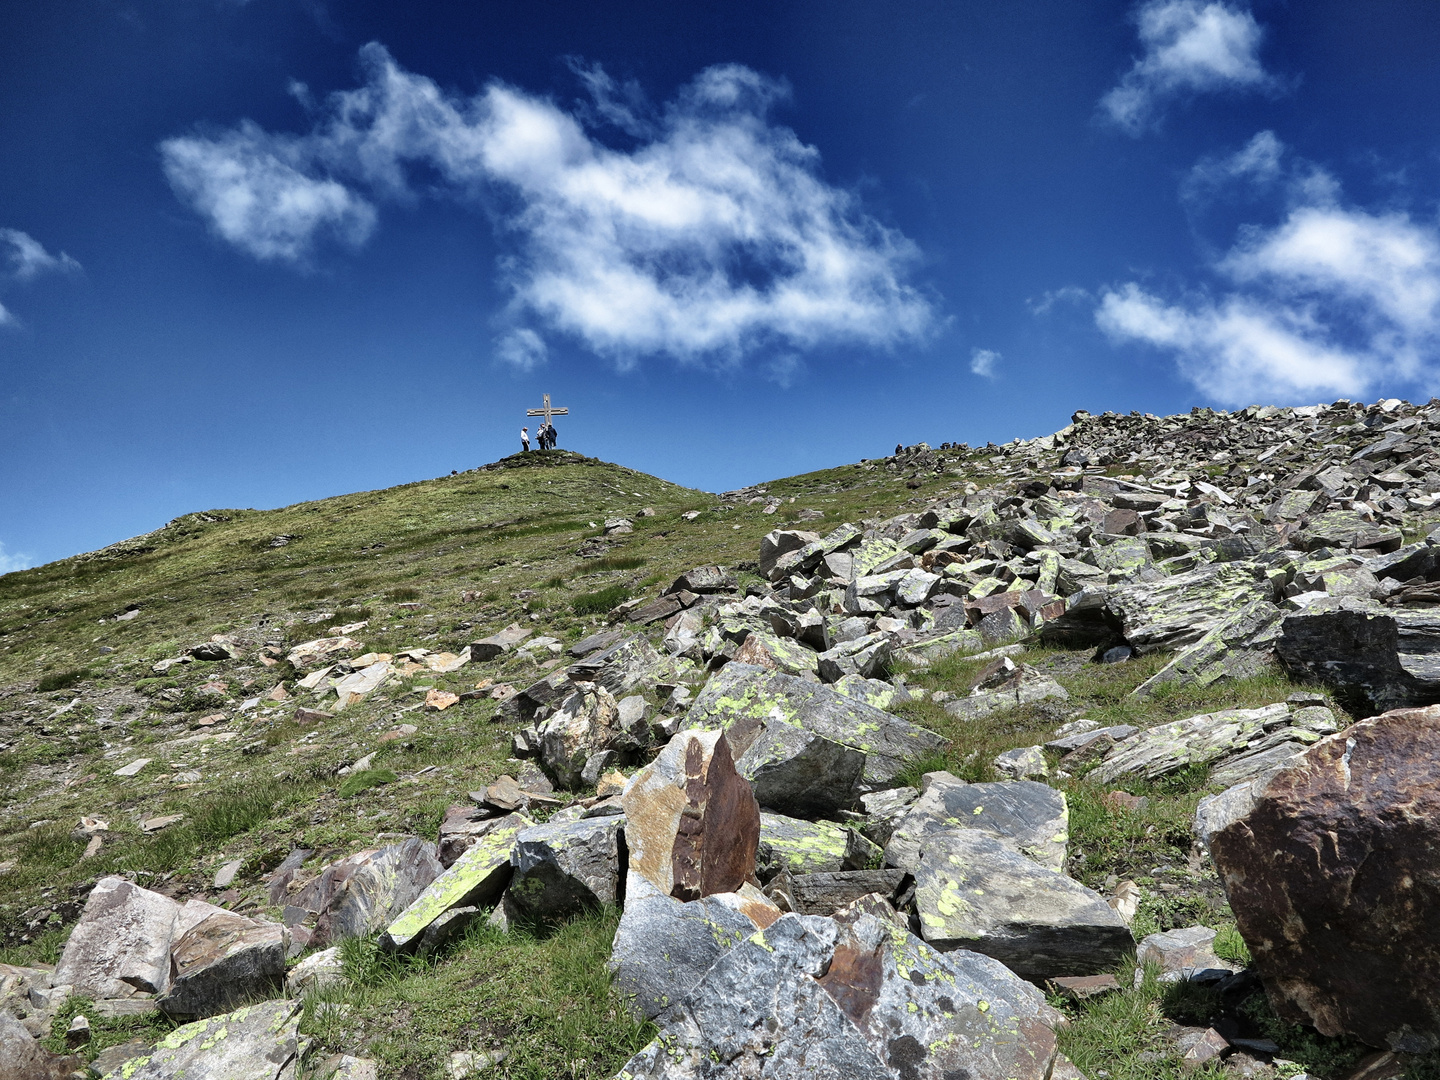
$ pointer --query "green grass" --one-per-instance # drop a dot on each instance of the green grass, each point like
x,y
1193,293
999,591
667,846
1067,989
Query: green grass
x,y
600,601
365,779
61,680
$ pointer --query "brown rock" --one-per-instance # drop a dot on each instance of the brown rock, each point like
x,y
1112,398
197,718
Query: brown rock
x,y
22,1058
1080,987
692,823
1331,866
222,962
1123,522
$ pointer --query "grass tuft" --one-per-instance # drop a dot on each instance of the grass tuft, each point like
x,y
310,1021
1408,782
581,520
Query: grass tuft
x,y
600,601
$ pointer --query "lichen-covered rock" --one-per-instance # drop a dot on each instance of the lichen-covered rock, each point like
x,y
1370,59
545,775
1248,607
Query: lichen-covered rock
x,y
777,654
316,971
663,946
255,1042
366,891
1249,737
691,820
860,1000
1025,686
1331,866
475,880
740,699
974,892
1179,610
1021,763
867,657
120,947
586,723
1030,817
222,961
562,870
800,847
1238,647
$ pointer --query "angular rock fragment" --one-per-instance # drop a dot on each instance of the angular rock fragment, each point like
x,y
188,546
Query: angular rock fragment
x,y
256,1042
501,642
1030,817
1026,686
22,1058
867,657
366,891
586,723
1238,647
475,880
974,892
691,821
121,945
742,699
799,847
777,654
1329,921
827,892
565,869
222,961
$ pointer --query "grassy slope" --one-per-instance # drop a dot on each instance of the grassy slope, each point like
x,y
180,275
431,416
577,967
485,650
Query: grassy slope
x,y
425,546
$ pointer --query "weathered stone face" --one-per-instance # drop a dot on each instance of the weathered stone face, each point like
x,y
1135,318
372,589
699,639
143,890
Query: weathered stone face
x,y
560,870
1333,870
223,960
121,945
364,892
692,823
1030,817
258,1042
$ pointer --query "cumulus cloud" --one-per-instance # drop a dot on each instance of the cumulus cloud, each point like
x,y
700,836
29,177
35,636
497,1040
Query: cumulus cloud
x,y
1332,299
1190,47
10,563
522,349
710,235
983,362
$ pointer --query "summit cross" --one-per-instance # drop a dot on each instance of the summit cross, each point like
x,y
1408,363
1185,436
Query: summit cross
x,y
547,410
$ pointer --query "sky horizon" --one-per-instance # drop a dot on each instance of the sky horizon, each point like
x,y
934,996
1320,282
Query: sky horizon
x,y
256,252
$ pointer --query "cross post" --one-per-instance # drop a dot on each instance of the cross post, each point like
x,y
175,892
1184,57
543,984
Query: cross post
x,y
547,410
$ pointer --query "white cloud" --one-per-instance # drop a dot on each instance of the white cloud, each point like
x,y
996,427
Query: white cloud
x,y
6,318
26,258
522,349
1066,294
1190,47
251,188
983,362
10,563
1256,164
1331,300
712,236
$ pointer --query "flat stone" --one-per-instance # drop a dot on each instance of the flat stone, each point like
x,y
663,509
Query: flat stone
x,y
475,880
1030,817
826,893
1084,987
799,847
1196,740
134,767
257,1042
974,892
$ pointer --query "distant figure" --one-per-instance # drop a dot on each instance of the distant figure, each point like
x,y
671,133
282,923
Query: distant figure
x,y
550,437
898,448
544,436
524,439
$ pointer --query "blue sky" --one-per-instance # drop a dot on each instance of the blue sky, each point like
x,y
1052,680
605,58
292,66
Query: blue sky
x,y
258,252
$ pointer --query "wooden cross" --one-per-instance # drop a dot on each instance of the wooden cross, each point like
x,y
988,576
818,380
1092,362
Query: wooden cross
x,y
547,411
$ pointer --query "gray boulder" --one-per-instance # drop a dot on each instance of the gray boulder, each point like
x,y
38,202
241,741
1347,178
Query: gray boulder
x,y
22,1058
868,657
740,699
799,847
368,890
1026,686
1029,817
255,1042
1239,646
120,947
562,870
475,880
1179,610
780,542
586,723
974,892
223,961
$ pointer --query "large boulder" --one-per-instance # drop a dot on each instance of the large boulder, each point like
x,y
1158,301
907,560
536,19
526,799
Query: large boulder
x,y
858,999
799,847
475,880
1331,867
691,821
664,946
1241,645
1030,817
22,1058
560,870
780,542
366,891
1375,656
1179,610
256,1042
120,947
973,891
740,699
223,961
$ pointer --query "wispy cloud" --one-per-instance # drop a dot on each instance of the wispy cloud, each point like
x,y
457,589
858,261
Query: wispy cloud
x,y
1333,298
22,259
983,362
1190,47
711,235
1066,294
10,563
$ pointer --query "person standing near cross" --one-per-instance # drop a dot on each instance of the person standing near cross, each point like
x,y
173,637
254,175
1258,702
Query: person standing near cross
x,y
547,429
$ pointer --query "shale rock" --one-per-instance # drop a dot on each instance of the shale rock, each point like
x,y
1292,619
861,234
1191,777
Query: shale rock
x,y
1330,867
1029,817
121,945
799,847
368,890
974,892
222,961
22,1058
475,880
257,1042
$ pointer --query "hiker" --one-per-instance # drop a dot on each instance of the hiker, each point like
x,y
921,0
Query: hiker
x,y
545,436
550,437
524,439
898,449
